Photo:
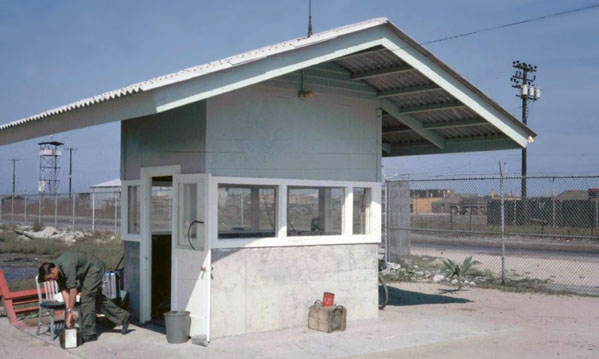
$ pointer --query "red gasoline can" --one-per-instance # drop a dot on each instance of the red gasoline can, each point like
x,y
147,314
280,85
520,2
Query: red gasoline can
x,y
328,299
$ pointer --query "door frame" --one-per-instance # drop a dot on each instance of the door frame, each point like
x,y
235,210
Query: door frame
x,y
145,245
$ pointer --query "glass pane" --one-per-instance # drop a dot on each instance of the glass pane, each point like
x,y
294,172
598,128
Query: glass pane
x,y
313,211
190,234
162,197
246,211
133,213
361,210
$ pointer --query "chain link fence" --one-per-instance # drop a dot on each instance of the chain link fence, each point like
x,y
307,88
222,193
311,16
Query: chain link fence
x,y
546,239
94,211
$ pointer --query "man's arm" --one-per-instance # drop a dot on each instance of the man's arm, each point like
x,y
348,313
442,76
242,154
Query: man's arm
x,y
69,296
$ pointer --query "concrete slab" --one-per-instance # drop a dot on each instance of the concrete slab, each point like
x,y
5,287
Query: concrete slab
x,y
395,329
419,322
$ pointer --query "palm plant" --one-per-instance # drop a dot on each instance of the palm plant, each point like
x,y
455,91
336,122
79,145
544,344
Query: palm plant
x,y
453,269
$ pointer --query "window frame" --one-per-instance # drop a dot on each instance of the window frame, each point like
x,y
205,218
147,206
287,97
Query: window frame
x,y
125,235
281,239
250,186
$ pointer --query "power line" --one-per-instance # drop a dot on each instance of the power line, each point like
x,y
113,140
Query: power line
x,y
516,23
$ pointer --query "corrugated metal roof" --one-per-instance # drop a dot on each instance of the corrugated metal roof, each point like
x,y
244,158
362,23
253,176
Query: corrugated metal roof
x,y
204,69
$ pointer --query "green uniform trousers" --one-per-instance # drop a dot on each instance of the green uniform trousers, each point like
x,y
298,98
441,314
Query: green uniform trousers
x,y
92,301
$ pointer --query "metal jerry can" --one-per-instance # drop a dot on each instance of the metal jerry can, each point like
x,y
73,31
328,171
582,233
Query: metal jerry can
x,y
70,338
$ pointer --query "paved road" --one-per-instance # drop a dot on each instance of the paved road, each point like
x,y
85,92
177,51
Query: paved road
x,y
521,252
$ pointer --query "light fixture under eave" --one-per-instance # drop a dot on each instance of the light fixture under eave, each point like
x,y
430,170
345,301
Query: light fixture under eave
x,y
306,94
531,139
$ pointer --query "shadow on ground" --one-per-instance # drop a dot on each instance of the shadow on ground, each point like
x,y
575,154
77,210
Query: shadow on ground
x,y
399,297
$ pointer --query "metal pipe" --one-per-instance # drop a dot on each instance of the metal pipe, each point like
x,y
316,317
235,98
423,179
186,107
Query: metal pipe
x,y
56,210
93,211
73,207
502,225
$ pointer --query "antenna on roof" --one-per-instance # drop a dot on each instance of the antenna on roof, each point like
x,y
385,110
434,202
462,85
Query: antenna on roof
x,y
309,18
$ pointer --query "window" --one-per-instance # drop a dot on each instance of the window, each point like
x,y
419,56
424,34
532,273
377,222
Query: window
x,y
361,211
313,211
190,230
133,213
246,211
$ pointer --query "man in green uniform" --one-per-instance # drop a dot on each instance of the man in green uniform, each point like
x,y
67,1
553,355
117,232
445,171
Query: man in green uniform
x,y
76,268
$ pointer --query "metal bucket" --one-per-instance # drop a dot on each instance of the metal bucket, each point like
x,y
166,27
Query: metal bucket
x,y
177,326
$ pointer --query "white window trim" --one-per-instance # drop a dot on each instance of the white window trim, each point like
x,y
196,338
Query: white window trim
x,y
125,235
282,240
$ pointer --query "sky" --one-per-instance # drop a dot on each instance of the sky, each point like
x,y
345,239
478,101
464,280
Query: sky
x,y
54,53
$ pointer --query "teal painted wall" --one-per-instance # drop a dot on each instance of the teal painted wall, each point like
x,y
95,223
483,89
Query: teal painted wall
x,y
169,138
262,131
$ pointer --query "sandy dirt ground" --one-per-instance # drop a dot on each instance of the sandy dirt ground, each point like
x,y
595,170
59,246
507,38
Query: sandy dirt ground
x,y
422,321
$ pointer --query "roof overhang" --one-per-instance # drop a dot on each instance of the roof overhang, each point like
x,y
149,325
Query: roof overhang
x,y
426,106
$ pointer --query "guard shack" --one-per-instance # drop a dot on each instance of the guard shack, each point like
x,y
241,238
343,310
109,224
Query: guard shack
x,y
252,184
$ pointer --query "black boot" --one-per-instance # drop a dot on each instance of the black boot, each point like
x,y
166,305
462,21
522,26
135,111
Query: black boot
x,y
125,328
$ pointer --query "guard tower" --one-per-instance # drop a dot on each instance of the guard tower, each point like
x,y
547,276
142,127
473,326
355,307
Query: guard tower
x,y
50,153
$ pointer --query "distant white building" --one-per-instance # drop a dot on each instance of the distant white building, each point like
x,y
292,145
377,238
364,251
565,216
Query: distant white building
x,y
114,185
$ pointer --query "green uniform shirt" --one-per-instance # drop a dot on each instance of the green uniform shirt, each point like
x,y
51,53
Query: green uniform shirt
x,y
73,266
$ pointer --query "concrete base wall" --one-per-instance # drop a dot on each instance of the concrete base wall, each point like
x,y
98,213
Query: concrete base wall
x,y
262,289
132,276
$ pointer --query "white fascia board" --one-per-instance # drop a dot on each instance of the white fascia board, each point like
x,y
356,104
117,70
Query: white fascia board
x,y
126,107
450,84
231,79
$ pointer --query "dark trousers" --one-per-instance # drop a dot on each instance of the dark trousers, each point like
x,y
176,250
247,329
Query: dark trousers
x,y
93,301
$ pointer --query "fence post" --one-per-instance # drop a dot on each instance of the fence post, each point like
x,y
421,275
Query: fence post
x,y
56,210
93,211
502,224
553,207
25,210
386,221
39,208
115,213
73,205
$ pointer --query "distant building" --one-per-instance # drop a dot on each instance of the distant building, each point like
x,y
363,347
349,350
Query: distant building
x,y
423,199
573,195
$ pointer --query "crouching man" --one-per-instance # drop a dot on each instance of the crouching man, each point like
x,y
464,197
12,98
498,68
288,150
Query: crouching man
x,y
73,267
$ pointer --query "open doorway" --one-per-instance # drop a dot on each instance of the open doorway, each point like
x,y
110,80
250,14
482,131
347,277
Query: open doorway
x,y
161,217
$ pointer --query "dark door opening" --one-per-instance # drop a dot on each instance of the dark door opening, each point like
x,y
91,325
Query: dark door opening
x,y
161,203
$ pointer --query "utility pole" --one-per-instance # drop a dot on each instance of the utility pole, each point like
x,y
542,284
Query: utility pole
x,y
309,18
525,84
70,149
14,178
14,182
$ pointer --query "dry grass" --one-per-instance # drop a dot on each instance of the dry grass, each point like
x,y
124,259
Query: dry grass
x,y
103,245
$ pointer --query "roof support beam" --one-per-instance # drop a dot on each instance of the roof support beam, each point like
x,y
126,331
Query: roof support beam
x,y
382,72
443,125
430,108
408,91
428,65
414,124
479,143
